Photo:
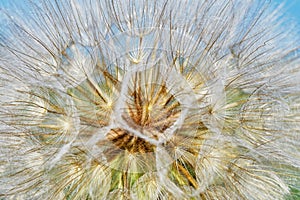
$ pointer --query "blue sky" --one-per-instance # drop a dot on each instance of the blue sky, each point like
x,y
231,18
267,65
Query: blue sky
x,y
292,7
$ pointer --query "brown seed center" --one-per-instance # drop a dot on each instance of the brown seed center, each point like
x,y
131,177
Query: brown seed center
x,y
150,110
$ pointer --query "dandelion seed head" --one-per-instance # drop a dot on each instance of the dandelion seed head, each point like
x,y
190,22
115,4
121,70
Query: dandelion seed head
x,y
148,100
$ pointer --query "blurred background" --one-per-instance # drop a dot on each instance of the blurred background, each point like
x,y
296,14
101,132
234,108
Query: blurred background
x,y
291,7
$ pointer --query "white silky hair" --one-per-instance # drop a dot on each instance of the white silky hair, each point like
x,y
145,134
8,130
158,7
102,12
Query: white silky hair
x,y
140,99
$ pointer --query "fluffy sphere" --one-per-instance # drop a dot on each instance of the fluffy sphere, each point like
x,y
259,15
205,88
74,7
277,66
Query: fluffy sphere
x,y
139,99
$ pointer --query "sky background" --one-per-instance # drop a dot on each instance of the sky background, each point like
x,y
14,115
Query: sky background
x,y
292,8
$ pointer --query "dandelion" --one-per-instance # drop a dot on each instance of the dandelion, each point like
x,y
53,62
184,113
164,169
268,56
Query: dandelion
x,y
143,99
